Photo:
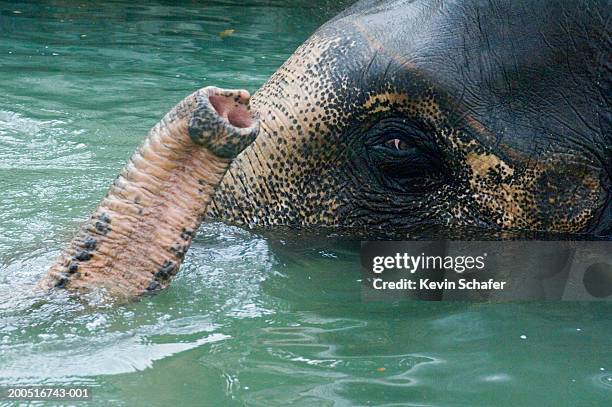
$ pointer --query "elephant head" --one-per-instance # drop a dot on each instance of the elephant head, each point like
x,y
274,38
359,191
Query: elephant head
x,y
452,113
390,117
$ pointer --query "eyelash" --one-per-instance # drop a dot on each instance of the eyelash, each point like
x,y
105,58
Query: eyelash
x,y
397,144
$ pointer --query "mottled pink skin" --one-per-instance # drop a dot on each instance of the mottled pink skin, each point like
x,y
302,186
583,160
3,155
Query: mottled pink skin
x,y
137,237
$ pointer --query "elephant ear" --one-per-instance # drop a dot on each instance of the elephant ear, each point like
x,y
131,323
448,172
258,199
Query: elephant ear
x,y
136,239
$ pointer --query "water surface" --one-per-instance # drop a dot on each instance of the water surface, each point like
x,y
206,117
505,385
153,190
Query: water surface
x,y
250,320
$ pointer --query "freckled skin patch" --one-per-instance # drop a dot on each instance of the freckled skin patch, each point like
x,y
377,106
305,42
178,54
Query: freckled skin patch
x,y
308,166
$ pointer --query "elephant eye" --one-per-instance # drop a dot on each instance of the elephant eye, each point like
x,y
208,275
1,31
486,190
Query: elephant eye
x,y
406,161
397,144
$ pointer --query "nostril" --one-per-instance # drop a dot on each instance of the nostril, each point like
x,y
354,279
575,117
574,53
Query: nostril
x,y
240,117
233,109
221,120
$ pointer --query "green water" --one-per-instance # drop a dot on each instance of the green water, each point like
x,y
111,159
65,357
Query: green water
x,y
249,320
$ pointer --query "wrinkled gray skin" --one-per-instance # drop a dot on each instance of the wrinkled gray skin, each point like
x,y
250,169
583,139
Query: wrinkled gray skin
x,y
393,117
488,114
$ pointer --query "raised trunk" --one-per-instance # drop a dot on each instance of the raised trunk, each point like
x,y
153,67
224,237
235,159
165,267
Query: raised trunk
x,y
138,235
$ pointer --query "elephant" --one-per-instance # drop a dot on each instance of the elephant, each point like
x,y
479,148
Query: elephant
x,y
394,115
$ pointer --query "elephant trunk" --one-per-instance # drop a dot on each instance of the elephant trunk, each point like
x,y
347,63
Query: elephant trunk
x,y
137,237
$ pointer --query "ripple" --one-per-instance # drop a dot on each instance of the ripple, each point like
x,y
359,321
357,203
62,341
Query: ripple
x,y
27,143
82,357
